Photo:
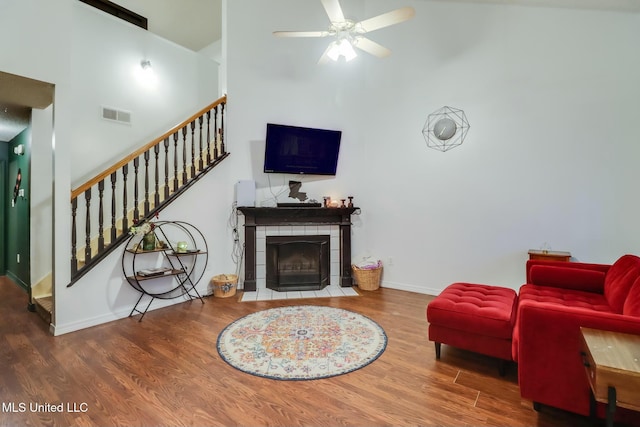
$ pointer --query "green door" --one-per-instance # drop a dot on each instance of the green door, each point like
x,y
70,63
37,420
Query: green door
x,y
18,227
4,155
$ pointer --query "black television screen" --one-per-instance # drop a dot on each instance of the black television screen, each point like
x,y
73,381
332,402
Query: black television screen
x,y
300,150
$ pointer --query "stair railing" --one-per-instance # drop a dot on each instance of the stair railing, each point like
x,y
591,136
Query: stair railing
x,y
142,184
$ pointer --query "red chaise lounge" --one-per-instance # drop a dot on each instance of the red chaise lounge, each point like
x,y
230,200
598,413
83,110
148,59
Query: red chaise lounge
x,y
474,317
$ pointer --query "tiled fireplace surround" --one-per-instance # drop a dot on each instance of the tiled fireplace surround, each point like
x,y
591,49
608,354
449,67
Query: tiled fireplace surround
x,y
304,221
333,231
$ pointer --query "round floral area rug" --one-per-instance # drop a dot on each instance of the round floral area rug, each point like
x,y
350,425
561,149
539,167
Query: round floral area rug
x,y
301,342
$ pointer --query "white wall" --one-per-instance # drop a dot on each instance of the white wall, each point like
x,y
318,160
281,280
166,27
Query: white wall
x,y
41,200
106,56
551,96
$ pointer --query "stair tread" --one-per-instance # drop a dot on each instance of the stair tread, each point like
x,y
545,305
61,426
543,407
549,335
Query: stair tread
x,y
44,308
46,303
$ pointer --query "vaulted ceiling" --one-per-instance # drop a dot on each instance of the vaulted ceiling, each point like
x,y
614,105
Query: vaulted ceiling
x,y
196,24
193,24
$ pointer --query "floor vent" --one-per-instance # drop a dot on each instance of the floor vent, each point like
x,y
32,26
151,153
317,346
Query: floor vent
x,y
116,115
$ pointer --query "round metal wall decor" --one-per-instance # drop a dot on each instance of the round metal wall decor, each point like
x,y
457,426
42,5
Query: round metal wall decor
x,y
445,128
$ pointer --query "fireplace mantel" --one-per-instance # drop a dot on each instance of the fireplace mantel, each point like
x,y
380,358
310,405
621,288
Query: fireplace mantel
x,y
258,217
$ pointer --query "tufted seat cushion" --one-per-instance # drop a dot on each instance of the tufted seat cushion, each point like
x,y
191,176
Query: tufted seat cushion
x,y
564,297
481,309
557,297
473,317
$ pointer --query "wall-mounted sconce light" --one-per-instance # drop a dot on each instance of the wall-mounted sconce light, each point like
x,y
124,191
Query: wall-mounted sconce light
x,y
19,149
146,75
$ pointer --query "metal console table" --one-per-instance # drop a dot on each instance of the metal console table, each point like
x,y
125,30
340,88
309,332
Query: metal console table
x,y
168,270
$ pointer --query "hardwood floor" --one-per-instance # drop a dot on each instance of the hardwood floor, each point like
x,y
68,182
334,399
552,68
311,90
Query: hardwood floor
x,y
166,371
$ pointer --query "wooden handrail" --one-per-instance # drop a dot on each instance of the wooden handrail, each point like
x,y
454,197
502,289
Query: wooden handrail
x,y
96,179
141,185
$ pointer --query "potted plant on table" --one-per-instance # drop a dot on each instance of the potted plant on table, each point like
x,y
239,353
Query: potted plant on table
x,y
145,228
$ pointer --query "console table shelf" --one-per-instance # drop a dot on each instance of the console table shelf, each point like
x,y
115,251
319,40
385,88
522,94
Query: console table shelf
x,y
171,274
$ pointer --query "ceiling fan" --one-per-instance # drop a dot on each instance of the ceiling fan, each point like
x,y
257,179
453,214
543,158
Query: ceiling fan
x,y
348,34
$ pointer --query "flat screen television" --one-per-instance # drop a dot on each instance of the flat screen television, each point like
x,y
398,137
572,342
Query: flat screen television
x,y
300,150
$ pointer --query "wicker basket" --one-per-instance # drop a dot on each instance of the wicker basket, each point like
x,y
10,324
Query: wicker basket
x,y
224,285
367,279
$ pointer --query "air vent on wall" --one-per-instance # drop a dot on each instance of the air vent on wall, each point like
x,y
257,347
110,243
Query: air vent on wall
x,y
115,115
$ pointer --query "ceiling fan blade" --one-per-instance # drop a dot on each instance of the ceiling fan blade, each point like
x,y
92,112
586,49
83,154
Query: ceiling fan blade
x,y
371,47
333,9
387,19
301,33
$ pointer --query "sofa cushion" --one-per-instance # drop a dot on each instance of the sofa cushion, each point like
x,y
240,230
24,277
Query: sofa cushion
x,y
632,303
564,297
568,278
619,279
556,297
577,265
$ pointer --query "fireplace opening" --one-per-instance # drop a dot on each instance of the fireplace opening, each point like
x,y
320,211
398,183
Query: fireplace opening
x,y
297,263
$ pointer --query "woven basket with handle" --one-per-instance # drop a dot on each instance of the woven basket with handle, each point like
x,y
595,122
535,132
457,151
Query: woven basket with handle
x,y
224,285
368,279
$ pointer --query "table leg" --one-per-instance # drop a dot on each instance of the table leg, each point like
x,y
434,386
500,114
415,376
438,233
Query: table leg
x,y
611,405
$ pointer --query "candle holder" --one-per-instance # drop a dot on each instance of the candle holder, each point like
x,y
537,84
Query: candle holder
x,y
350,201
343,205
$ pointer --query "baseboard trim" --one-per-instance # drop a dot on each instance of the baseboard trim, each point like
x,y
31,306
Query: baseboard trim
x,y
411,288
18,281
62,329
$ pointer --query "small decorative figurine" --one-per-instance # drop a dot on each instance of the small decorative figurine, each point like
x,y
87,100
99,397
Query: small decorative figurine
x,y
181,247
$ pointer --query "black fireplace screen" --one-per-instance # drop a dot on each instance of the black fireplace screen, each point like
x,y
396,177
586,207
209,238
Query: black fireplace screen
x,y
297,263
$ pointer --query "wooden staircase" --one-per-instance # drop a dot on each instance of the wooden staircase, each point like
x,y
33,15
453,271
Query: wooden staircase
x,y
137,188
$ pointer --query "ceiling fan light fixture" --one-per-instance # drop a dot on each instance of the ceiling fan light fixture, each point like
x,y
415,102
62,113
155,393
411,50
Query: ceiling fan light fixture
x,y
334,51
348,34
340,48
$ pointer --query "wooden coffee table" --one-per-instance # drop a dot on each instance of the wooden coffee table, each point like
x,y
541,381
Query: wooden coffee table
x,y
612,363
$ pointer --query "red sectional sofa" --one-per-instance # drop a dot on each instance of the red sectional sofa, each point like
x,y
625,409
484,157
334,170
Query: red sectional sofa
x,y
544,321
557,300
